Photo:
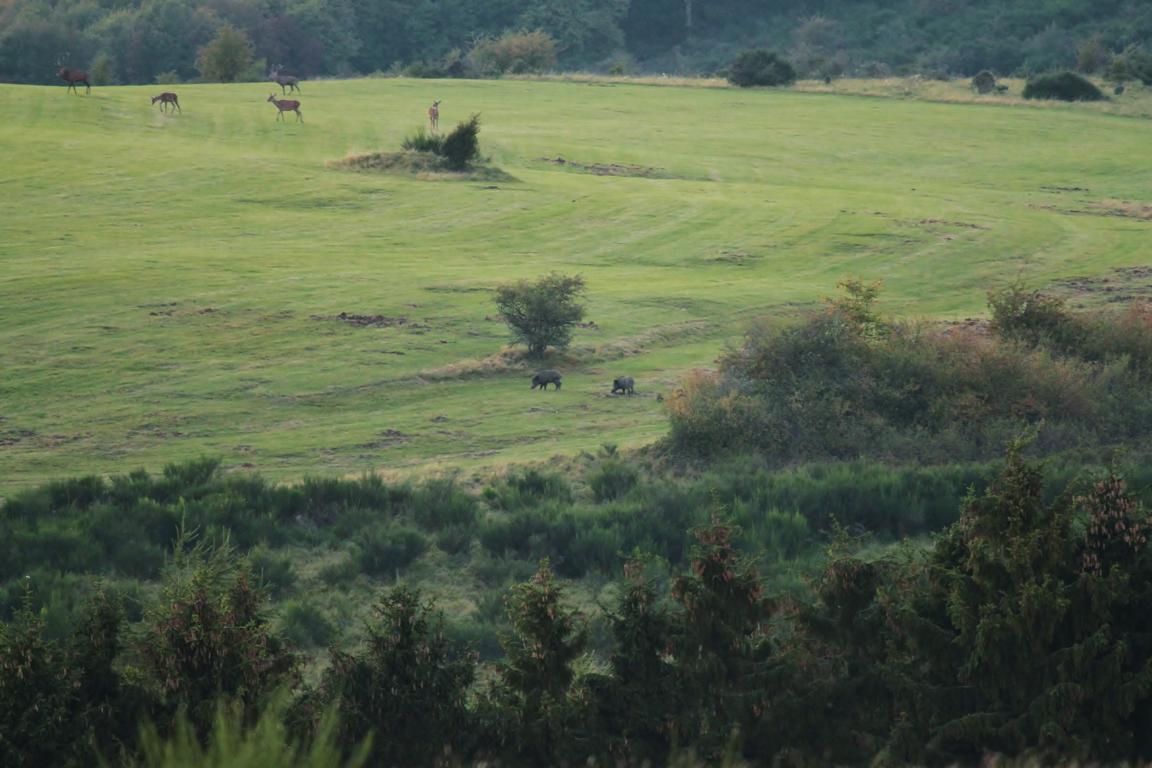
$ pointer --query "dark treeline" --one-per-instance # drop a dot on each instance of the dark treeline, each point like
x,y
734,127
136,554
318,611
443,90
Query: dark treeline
x,y
1023,630
141,42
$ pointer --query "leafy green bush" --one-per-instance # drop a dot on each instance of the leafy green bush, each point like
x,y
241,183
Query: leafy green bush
x,y
388,548
527,487
227,57
305,625
440,503
760,67
462,145
1064,86
515,53
611,479
1132,64
1033,318
274,571
422,141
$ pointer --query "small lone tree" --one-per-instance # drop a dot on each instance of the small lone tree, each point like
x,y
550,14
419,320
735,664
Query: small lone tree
x,y
542,314
227,57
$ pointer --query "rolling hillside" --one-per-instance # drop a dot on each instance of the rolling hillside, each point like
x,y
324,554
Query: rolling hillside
x,y
172,286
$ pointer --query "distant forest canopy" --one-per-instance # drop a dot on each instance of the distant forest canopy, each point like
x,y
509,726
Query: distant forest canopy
x,y
134,41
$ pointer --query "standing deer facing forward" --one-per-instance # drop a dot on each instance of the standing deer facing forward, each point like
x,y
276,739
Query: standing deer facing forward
x,y
287,83
73,76
167,98
434,115
286,105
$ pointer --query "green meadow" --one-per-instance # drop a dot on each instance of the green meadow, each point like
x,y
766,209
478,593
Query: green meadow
x,y
171,285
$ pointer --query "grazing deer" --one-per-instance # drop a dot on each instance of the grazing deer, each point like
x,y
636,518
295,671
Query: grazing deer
x,y
434,115
287,83
286,105
73,76
167,98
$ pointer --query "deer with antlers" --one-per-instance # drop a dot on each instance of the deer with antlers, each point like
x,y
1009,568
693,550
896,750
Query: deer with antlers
x,y
434,115
287,83
167,98
73,76
286,105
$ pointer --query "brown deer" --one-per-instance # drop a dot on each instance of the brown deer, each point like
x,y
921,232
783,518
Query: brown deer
x,y
287,83
167,98
434,115
286,105
73,76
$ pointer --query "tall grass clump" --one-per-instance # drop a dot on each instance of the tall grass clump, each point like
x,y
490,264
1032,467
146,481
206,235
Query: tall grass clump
x,y
235,742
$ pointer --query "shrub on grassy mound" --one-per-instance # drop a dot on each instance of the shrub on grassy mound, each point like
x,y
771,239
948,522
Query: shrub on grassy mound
x,y
1064,86
424,152
760,67
840,384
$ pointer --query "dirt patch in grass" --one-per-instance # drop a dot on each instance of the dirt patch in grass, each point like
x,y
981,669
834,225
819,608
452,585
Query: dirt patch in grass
x,y
422,165
1120,286
946,223
15,436
734,258
1123,208
173,309
388,437
365,321
609,169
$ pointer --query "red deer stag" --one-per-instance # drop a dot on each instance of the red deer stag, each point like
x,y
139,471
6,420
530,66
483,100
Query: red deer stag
x,y
287,83
434,115
286,105
167,98
73,76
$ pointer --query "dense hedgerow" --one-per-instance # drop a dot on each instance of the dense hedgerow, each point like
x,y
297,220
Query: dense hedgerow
x,y
844,383
1065,86
759,67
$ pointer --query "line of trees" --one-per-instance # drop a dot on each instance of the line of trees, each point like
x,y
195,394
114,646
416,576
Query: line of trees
x,y
141,41
1023,630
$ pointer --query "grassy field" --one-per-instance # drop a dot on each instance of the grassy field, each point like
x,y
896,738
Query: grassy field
x,y
170,285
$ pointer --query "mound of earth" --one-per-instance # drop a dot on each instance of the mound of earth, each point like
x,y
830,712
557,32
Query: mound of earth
x,y
424,165
608,169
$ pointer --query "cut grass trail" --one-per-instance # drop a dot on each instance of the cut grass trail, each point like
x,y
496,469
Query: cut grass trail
x,y
168,283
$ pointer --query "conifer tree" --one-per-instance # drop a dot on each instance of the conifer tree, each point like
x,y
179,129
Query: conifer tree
x,y
408,689
534,702
720,646
1016,646
640,702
